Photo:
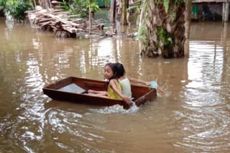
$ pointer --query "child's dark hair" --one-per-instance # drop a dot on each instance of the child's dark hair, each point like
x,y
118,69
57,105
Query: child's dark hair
x,y
114,69
120,70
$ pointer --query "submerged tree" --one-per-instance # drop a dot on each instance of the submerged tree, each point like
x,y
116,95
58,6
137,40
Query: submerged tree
x,y
162,28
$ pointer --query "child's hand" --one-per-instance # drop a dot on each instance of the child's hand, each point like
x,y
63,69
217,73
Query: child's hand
x,y
128,102
127,99
147,83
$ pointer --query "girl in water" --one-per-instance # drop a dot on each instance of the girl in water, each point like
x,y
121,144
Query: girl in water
x,y
114,90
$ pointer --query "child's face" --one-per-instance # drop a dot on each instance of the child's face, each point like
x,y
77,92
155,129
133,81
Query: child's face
x,y
108,73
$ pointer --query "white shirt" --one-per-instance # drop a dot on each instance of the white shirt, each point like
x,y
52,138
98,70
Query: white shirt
x,y
126,87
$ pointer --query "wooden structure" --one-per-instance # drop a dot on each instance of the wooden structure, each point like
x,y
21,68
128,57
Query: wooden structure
x,y
73,89
225,7
62,23
49,15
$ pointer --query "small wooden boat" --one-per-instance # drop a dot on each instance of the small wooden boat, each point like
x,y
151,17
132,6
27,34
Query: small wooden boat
x,y
74,89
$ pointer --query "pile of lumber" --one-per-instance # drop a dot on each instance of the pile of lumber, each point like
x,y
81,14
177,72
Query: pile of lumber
x,y
62,23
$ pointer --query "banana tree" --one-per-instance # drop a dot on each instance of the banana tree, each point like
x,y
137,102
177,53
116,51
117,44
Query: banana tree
x,y
162,28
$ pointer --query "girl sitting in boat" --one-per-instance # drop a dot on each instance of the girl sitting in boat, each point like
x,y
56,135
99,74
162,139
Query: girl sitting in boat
x,y
114,88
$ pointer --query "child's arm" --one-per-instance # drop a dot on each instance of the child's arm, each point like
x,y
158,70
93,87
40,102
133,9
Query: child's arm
x,y
113,84
104,93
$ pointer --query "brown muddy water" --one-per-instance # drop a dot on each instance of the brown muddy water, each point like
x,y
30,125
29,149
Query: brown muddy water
x,y
192,116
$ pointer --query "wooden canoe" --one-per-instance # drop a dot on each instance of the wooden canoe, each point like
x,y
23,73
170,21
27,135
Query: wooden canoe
x,y
73,89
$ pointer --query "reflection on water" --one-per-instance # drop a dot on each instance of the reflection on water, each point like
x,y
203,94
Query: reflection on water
x,y
205,116
192,116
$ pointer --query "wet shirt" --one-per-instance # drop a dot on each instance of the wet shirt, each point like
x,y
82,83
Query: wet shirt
x,y
126,87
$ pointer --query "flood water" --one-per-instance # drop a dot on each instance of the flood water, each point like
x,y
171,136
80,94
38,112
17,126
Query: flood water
x,y
193,115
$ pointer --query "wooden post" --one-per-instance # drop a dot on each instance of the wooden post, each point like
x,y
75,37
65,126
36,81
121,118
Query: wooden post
x,y
224,34
224,41
225,12
90,20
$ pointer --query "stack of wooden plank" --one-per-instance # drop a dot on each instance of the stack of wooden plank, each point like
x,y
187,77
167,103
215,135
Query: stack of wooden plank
x,y
62,23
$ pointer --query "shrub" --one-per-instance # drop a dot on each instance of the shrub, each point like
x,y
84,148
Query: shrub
x,y
16,8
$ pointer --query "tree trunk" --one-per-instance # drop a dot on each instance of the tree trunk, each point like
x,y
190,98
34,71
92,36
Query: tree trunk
x,y
124,6
113,11
162,28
